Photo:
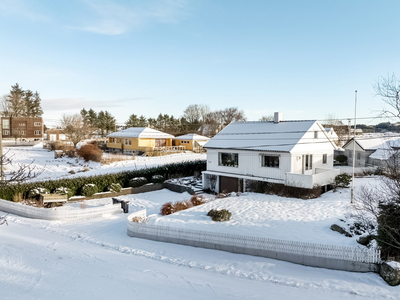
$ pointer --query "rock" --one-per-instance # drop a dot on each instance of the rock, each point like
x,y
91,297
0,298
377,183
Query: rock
x,y
390,272
365,240
71,172
341,230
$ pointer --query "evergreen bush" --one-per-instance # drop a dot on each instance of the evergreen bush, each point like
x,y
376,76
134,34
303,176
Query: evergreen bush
x,y
137,182
89,189
35,192
343,180
114,187
64,191
220,215
157,179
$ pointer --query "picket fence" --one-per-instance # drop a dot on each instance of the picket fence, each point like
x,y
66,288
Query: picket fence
x,y
313,254
58,214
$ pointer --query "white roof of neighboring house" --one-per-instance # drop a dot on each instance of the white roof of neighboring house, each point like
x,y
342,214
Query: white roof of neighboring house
x,y
201,143
268,136
141,132
373,143
192,137
382,154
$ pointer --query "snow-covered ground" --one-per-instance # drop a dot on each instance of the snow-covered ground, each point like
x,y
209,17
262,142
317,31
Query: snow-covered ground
x,y
60,168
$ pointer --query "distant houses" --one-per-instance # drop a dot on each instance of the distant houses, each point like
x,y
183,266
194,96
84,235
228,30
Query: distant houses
x,y
22,128
191,141
293,153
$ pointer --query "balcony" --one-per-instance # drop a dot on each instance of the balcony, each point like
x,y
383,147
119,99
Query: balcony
x,y
321,177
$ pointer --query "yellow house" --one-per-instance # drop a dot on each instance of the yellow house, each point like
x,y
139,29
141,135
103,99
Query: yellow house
x,y
134,139
191,141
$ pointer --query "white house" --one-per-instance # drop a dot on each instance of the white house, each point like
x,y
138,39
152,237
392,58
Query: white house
x,y
294,153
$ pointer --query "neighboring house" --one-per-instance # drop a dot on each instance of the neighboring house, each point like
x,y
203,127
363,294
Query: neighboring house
x,y
371,150
358,131
332,135
294,153
136,139
55,135
191,141
22,128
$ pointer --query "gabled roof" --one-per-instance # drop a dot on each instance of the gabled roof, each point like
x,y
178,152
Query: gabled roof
x,y
141,132
192,137
373,143
263,136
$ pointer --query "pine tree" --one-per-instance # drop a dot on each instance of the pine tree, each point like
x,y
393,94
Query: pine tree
x,y
15,101
133,121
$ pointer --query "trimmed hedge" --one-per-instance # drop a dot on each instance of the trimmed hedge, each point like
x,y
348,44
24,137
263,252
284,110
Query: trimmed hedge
x,y
89,190
114,187
103,181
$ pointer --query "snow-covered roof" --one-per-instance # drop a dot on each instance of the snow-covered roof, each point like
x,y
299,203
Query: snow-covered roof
x,y
201,143
192,137
262,136
140,132
373,143
382,154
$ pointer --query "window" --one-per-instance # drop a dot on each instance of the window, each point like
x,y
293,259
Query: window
x,y
270,161
315,134
37,132
22,124
37,124
184,142
115,140
324,158
307,162
6,132
358,155
6,124
128,142
228,159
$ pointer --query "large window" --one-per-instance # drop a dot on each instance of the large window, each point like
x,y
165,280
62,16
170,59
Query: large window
x,y
128,142
37,124
307,162
270,161
6,124
228,159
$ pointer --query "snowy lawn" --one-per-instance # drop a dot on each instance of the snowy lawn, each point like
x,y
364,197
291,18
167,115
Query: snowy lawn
x,y
60,168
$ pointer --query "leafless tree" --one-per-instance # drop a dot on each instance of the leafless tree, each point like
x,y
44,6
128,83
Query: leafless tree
x,y
389,90
76,130
20,174
231,114
267,118
342,131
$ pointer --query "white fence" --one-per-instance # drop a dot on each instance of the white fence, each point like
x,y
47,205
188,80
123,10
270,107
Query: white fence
x,y
58,214
311,254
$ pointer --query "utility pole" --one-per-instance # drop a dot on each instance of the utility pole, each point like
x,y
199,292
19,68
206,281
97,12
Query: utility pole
x,y
354,147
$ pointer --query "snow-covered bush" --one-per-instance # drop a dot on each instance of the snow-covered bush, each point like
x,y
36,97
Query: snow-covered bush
x,y
157,179
198,200
343,180
64,191
34,193
137,181
114,187
220,215
89,189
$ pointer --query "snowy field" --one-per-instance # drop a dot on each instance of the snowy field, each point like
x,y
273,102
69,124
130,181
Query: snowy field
x,y
95,259
60,168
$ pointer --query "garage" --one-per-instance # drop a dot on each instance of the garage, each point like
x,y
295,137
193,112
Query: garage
x,y
230,184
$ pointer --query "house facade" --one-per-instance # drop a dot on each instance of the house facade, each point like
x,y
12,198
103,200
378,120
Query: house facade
x,y
293,153
134,139
23,128
191,141
55,135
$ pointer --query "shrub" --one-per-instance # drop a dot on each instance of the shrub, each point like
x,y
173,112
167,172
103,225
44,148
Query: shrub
x,y
34,193
157,179
388,229
220,215
88,190
167,209
90,152
137,181
64,191
114,187
342,159
182,205
197,200
343,180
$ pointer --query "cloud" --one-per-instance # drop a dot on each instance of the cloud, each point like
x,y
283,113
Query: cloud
x,y
22,9
110,18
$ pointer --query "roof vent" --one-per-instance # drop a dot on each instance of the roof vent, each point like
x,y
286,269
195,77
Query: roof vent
x,y
277,117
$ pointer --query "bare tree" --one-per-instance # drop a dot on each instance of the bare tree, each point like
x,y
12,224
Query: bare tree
x,y
267,118
231,114
342,131
76,130
389,90
196,114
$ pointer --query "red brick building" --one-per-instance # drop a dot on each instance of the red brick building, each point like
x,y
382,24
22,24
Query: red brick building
x,y
24,128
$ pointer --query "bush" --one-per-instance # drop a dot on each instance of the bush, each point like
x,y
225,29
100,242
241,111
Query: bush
x,y
64,191
197,200
167,209
182,205
90,152
343,180
342,159
137,182
220,215
388,229
88,190
34,193
114,187
157,179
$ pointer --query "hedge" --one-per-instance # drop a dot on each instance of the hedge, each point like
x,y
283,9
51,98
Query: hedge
x,y
103,181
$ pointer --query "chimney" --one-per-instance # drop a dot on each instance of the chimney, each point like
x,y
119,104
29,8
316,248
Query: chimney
x,y
277,117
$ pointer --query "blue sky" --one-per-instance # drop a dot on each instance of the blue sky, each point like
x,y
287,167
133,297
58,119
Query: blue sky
x,y
303,58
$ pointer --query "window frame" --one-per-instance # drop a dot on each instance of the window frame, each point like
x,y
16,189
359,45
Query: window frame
x,y
234,159
315,134
129,142
308,162
36,124
7,122
6,132
324,159
37,132
263,161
